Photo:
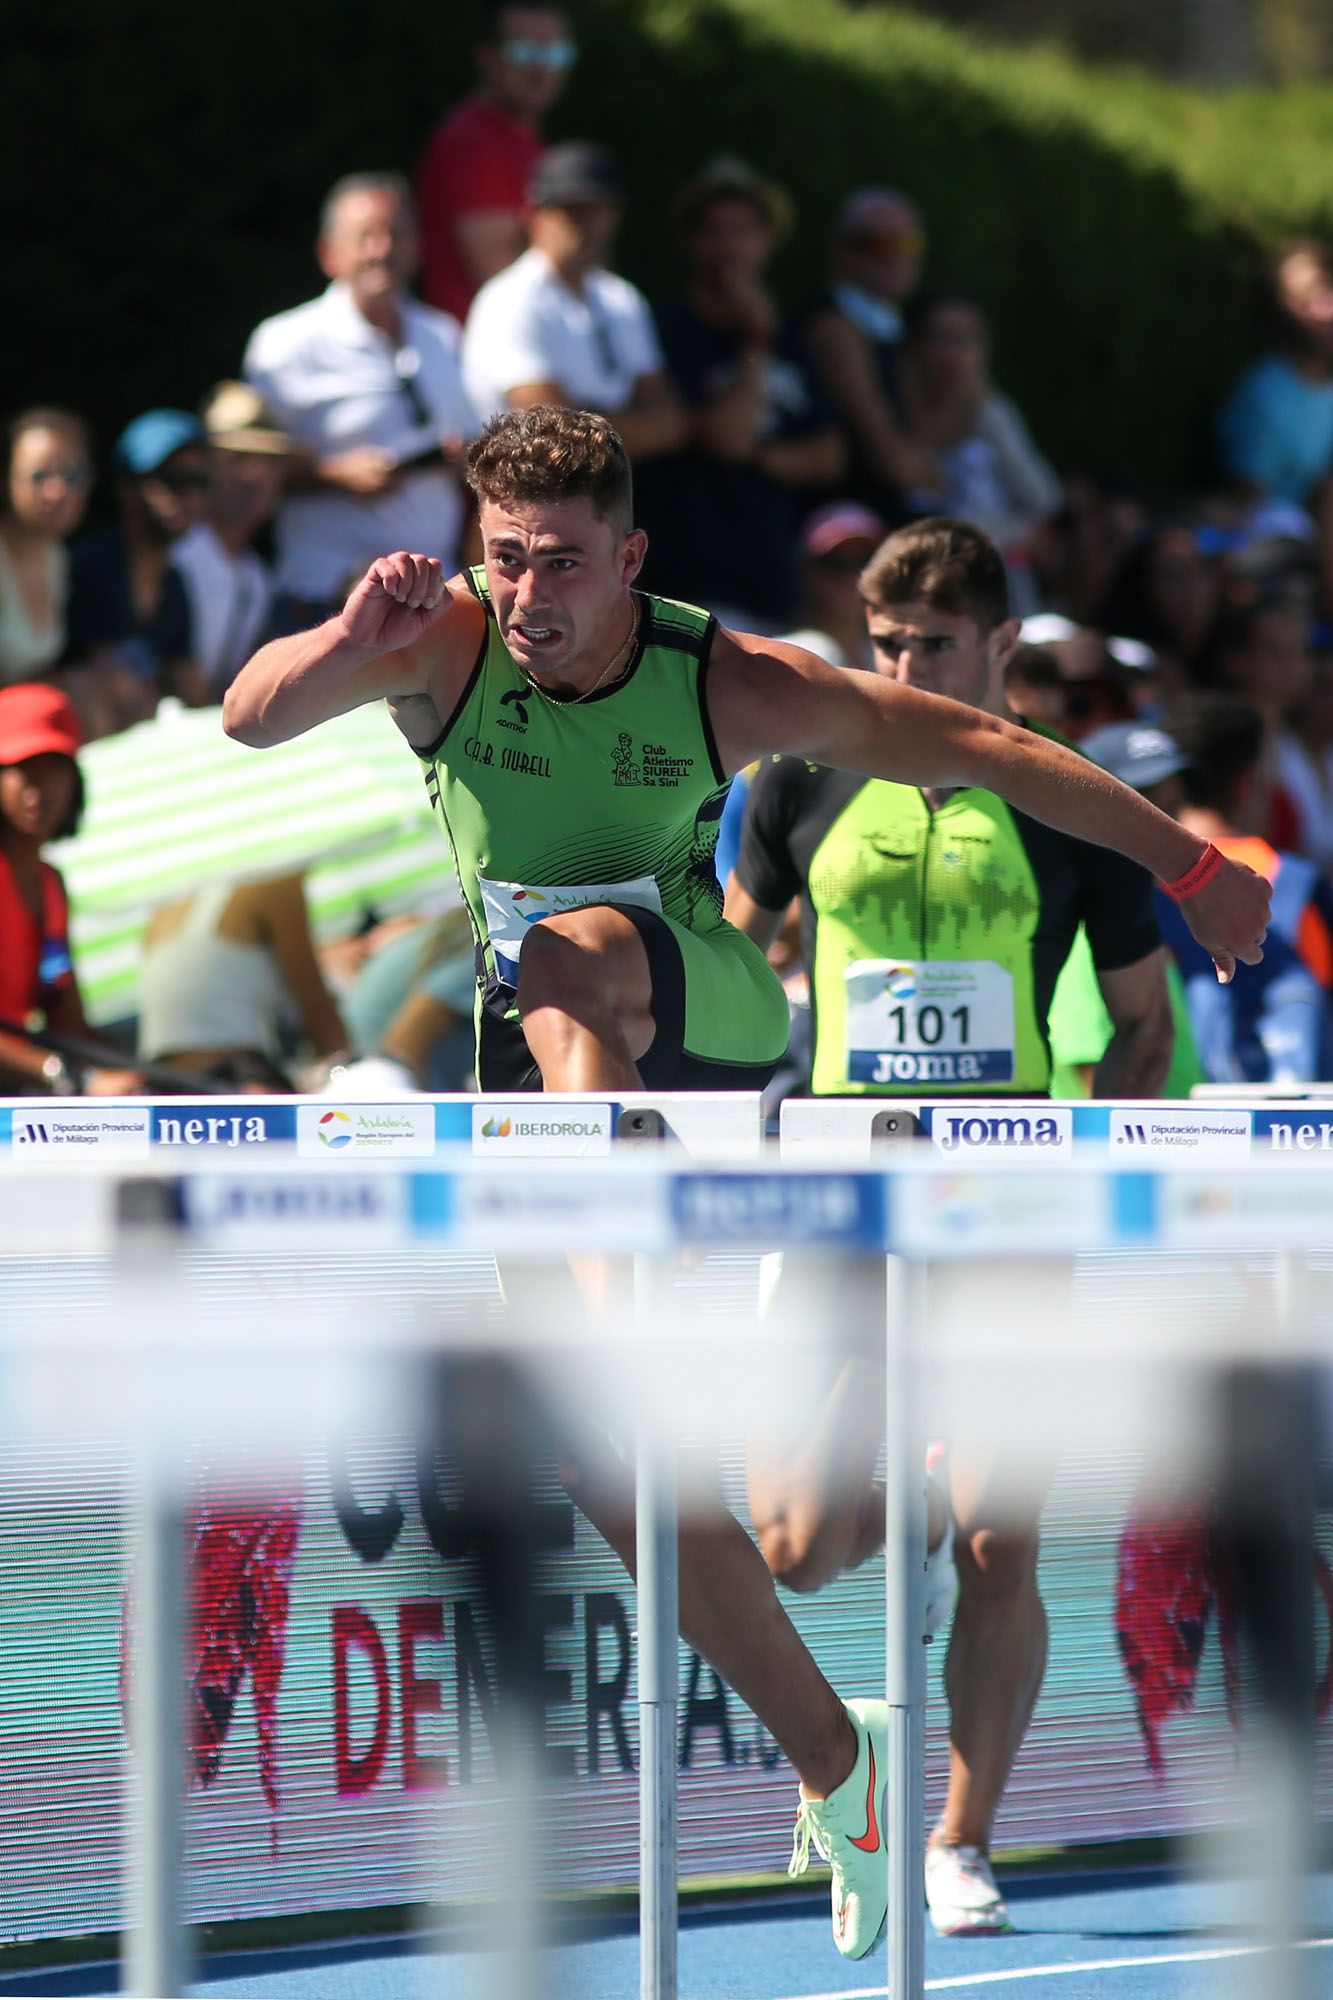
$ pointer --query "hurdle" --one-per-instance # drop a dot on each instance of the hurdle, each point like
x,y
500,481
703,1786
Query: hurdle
x,y
1221,1126
903,1207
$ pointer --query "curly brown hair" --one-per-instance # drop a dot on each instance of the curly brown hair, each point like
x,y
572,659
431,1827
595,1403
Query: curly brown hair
x,y
550,452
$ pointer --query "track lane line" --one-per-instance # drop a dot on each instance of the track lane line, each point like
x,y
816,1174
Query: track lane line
x,y
1060,1971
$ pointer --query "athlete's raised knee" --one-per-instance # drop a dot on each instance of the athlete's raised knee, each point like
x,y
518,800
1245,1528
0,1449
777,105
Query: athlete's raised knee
x,y
803,1552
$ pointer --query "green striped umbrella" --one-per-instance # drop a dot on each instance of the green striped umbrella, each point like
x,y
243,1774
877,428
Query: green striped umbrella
x,y
175,806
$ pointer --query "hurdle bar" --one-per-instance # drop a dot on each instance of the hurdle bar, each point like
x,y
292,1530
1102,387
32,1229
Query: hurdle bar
x,y
916,1211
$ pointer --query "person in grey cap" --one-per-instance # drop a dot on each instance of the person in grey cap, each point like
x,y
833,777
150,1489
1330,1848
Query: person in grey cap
x,y
558,327
1144,756
129,618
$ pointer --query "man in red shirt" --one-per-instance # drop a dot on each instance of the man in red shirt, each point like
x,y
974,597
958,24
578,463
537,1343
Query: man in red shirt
x,y
471,190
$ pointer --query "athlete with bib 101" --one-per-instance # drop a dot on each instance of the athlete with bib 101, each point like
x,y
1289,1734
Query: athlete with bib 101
x,y
578,737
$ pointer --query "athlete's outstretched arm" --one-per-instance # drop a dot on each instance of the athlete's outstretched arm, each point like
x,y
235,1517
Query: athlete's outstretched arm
x,y
765,696
373,648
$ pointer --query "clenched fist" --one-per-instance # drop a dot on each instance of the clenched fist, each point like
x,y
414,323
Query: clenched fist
x,y
398,598
1229,917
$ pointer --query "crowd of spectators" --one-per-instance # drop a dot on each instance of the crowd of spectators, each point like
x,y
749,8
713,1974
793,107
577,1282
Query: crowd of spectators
x,y
769,446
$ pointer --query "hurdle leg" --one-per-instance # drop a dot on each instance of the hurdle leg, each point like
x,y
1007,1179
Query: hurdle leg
x,y
156,1953
905,1625
155,1947
656,1537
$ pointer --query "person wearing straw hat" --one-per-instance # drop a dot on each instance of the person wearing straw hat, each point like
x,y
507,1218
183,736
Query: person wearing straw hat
x,y
578,737
229,585
722,513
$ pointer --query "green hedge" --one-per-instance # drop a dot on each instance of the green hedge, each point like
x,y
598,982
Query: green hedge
x,y
162,168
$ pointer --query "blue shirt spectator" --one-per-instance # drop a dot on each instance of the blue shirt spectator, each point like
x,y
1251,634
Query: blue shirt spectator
x,y
1276,427
1277,430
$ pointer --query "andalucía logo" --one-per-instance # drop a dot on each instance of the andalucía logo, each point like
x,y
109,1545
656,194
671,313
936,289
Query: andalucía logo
x,y
900,981
538,906
496,1128
335,1129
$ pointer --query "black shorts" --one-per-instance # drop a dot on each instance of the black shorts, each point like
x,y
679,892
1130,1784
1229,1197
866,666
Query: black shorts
x,y
720,1015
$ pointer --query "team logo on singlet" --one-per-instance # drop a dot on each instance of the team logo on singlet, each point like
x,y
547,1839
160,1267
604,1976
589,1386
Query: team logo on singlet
x,y
625,769
515,700
654,764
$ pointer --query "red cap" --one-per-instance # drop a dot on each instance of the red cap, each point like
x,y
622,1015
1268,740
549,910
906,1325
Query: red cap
x,y
34,720
842,522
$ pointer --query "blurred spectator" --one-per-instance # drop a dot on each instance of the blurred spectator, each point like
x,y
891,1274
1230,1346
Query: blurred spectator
x,y
1276,426
558,327
836,545
46,492
1102,678
229,586
129,617
855,334
367,380
1263,654
473,183
1304,766
1168,593
987,469
412,999
722,514
1034,687
221,972
1273,1022
41,798
1078,554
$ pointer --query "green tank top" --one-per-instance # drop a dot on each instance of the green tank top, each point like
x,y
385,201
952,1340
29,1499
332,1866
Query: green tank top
x,y
550,805
922,971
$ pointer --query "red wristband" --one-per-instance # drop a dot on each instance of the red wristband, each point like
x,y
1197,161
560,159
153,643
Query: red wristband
x,y
1198,877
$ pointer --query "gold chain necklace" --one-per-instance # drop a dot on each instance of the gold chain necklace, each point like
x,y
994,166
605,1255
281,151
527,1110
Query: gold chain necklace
x,y
621,659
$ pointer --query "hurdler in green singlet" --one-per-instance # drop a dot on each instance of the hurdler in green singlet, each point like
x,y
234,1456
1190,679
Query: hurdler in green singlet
x,y
554,803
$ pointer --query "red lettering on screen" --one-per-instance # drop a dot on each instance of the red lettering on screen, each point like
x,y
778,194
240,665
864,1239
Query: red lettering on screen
x,y
419,1618
358,1771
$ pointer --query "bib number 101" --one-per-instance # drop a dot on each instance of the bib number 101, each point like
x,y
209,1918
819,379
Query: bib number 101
x,y
925,1026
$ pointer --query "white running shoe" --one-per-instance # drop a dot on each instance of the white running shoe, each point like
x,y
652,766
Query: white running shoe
x,y
961,1892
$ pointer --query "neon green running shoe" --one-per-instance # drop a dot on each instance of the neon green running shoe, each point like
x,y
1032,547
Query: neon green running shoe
x,y
848,1830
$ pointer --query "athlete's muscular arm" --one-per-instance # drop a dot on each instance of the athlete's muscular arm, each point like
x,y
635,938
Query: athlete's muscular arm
x,y
403,632
765,696
742,910
1138,1054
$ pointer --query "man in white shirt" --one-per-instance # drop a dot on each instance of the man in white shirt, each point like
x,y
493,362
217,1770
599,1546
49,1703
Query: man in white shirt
x,y
558,327
367,379
229,586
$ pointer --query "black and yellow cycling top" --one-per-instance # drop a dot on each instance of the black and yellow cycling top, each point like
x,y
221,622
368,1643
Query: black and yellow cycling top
x,y
553,804
933,937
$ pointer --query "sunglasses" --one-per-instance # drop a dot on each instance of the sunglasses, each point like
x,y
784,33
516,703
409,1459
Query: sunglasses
x,y
890,243
525,53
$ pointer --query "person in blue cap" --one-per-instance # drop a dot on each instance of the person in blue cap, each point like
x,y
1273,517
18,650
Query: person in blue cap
x,y
130,638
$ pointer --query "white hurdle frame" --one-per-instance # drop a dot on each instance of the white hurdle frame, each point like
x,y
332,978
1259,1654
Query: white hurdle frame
x,y
155,1952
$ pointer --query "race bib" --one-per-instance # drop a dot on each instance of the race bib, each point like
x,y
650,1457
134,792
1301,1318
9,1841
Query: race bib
x,y
512,908
929,1022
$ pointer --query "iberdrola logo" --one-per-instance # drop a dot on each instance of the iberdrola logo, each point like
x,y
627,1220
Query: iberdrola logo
x,y
496,1129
